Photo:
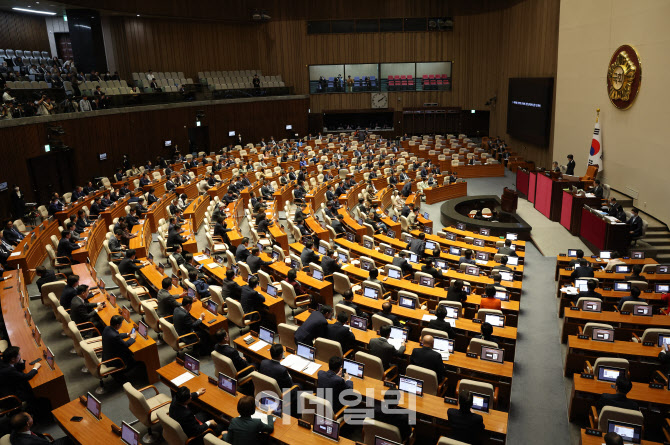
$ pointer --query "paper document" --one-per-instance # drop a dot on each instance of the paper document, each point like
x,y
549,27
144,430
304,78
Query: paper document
x,y
396,342
451,321
427,317
295,362
590,195
200,257
260,344
263,417
570,290
15,254
212,265
185,377
312,368
481,262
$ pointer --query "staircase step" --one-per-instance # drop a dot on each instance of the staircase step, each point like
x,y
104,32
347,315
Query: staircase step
x,y
658,229
657,241
656,235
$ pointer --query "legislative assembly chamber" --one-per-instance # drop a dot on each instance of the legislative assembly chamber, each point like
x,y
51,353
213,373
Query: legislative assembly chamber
x,y
377,222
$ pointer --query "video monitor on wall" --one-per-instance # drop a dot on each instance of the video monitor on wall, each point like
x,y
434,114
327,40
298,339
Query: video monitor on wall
x,y
529,109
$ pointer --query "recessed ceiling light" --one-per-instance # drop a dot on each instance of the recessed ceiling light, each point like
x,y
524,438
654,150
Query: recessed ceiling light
x,y
34,11
138,15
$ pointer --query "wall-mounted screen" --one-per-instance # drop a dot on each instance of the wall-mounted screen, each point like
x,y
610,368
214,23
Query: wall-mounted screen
x,y
529,107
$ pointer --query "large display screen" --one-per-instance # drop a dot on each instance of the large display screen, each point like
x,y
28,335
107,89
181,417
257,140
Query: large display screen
x,y
529,104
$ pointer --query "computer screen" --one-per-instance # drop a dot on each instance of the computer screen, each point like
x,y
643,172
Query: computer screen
x,y
326,427
112,299
642,309
353,368
603,335
451,236
231,133
101,284
267,402
662,269
512,236
370,292
393,273
428,230
317,274
405,302
410,385
663,288
50,358
622,286
479,242
190,292
399,333
192,364
143,329
295,264
93,406
622,268
208,252
389,251
629,432
427,281
663,340
452,312
366,265
368,244
266,335
306,352
391,233
271,290
360,323
572,253
351,237
129,435
441,264
637,255
495,320
472,270
150,258
502,295
413,258
125,313
228,384
606,254
175,280
382,441
506,276
443,344
454,250
512,261
212,306
482,256
480,402
492,354
343,258
425,215
608,374
460,226
394,218
431,245
484,232
592,306
581,284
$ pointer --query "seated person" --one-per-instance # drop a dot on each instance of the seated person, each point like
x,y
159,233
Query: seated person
x,y
580,255
330,384
503,265
507,249
273,369
618,400
456,292
465,425
440,324
486,332
583,271
386,313
489,300
467,257
431,270
634,296
591,285
222,346
637,270
380,347
341,333
193,424
348,300
426,357
389,413
245,430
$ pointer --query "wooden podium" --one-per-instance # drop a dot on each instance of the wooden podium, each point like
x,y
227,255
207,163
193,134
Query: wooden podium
x,y
548,194
571,211
509,200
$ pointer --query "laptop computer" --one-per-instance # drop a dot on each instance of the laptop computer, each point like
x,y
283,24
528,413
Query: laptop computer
x,y
629,432
637,255
413,258
353,368
460,226
389,251
192,364
502,295
360,323
50,358
582,284
623,286
454,250
390,233
411,385
479,242
396,274
305,351
322,250
452,312
343,258
382,441
609,374
428,230
492,354
266,335
592,306
496,320
431,245
506,276
444,346
662,288
93,406
405,302
512,260
603,335
441,264
368,244
227,384
317,275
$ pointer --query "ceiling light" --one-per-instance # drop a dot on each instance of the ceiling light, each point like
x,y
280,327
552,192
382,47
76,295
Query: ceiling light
x,y
34,11
138,15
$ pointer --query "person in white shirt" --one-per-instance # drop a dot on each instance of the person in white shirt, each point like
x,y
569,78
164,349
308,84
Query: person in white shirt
x,y
6,97
85,104
150,76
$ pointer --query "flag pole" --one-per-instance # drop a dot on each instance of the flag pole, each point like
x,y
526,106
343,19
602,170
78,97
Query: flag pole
x,y
597,114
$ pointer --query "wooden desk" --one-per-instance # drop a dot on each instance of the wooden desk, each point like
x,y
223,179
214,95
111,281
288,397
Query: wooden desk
x,y
610,278
90,430
490,241
117,211
586,439
610,299
74,207
548,194
196,211
571,210
28,258
157,211
563,261
624,325
601,234
479,171
190,189
321,290
48,383
142,240
444,192
93,245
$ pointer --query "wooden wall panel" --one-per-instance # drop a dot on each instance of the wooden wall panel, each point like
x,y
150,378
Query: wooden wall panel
x,y
24,32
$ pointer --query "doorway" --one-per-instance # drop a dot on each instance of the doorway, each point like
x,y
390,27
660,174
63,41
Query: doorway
x,y
52,172
198,139
63,45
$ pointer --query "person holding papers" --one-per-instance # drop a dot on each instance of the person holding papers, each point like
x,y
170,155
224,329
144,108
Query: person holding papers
x,y
380,347
246,430
331,383
428,358
315,326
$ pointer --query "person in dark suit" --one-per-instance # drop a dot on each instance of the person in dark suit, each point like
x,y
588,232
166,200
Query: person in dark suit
x,y
66,246
185,323
338,225
426,357
635,224
129,265
614,209
245,430
613,438
308,254
273,369
380,347
222,346
252,300
440,324
583,271
406,189
117,345
241,253
418,245
570,168
315,326
467,257
503,265
14,380
347,300
174,237
82,312
255,262
590,293
637,270
230,288
597,189
45,276
330,264
191,423
580,255
386,313
341,333
167,302
22,435
456,292
401,261
507,249
11,235
618,400
388,412
465,425
69,291
330,384
634,296
430,269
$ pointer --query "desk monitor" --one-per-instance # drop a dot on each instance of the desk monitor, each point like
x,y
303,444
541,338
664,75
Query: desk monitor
x,y
353,368
662,288
112,299
50,358
427,230
622,286
317,275
460,226
512,260
360,323
496,320
629,432
513,247
175,280
212,306
506,276
360,221
466,289
394,218
101,284
382,441
482,256
406,237
443,344
294,264
427,281
662,269
502,295
370,292
268,402
431,245
480,402
305,351
572,253
410,385
609,374
266,335
150,258
425,215
592,306
622,268
143,329
343,257
637,255
275,255
582,284
413,258
512,236
396,274
454,250
441,264
129,435
190,292
478,242
390,233
351,237
472,270
208,252
405,302
642,309
484,232
389,251
663,339
399,333
125,313
452,312
93,406
260,247
368,244
192,364
603,335
227,384
367,265
326,427
605,254
38,336
451,236
492,354
322,250
271,291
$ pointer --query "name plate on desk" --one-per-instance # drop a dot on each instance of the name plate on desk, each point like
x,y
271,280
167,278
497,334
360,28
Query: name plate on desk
x,y
476,320
212,380
569,268
648,343
587,376
655,385
609,271
607,288
648,291
625,312
450,401
471,354
592,432
389,384
583,337
574,308
304,424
